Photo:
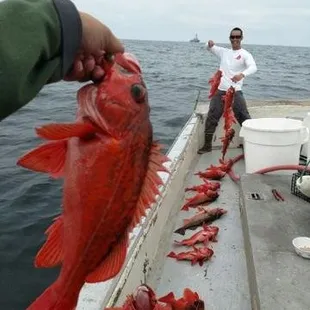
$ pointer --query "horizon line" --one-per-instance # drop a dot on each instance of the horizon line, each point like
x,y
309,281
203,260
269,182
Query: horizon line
x,y
204,42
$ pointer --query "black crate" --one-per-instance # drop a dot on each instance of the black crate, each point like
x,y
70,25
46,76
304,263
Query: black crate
x,y
294,189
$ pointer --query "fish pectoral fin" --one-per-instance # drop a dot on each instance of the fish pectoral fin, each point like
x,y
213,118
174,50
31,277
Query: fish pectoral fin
x,y
64,131
151,183
190,296
50,255
112,263
186,221
48,158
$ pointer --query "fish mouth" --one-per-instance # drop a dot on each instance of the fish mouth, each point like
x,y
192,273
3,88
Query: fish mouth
x,y
128,62
87,98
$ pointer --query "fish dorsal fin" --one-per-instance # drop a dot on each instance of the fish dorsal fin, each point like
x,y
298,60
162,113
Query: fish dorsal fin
x,y
50,254
112,263
47,158
56,131
168,299
151,183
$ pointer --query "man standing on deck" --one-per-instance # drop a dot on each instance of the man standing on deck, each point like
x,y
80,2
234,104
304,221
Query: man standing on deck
x,y
236,63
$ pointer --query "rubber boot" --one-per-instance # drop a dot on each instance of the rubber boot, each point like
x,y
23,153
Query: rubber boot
x,y
207,147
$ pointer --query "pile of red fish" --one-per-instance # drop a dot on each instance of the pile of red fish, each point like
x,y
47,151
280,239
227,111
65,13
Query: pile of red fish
x,y
206,194
144,298
228,114
208,191
218,172
225,167
109,164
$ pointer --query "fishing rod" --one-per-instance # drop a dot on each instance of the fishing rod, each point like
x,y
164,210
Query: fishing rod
x,y
197,100
199,86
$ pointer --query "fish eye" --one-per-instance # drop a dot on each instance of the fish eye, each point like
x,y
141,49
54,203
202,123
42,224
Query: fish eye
x,y
138,93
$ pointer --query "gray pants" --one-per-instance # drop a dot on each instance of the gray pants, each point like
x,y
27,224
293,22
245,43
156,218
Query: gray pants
x,y
216,110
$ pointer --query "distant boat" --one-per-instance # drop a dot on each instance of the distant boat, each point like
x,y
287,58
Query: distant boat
x,y
195,39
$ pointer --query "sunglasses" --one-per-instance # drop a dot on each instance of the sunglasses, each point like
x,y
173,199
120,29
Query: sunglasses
x,y
235,37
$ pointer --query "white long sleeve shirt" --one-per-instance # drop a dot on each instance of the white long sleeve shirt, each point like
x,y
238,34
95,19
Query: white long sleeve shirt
x,y
233,62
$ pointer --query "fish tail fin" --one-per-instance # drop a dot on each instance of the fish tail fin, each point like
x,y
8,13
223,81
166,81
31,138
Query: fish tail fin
x,y
172,255
180,231
50,300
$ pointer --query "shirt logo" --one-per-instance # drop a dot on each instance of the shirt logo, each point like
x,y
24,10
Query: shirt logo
x,y
238,57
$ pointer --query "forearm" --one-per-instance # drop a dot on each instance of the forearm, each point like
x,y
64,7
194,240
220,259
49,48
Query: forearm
x,y
215,50
251,68
38,42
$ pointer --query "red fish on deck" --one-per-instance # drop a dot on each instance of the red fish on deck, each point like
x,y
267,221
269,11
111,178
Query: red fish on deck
x,y
218,172
200,199
203,188
189,301
109,163
144,298
208,233
197,255
204,216
212,173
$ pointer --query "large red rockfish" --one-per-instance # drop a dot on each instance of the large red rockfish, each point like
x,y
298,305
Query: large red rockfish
x,y
109,164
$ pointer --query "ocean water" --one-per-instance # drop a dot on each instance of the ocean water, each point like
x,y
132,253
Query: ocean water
x,y
29,201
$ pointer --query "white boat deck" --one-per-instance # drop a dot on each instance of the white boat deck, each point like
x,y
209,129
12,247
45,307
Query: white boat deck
x,y
254,265
222,281
250,268
278,277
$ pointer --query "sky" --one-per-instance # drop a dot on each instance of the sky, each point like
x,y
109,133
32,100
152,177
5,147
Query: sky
x,y
267,22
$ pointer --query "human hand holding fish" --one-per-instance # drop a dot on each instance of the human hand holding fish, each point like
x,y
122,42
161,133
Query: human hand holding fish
x,y
98,41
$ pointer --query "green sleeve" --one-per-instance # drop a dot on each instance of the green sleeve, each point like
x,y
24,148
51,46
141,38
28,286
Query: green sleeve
x,y
38,42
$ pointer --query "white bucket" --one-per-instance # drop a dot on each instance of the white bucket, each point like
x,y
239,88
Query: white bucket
x,y
271,142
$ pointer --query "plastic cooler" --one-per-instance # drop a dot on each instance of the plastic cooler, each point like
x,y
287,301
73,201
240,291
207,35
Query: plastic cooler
x,y
271,142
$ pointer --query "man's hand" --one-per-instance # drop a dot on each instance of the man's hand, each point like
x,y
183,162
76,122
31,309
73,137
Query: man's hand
x,y
238,77
97,40
210,43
